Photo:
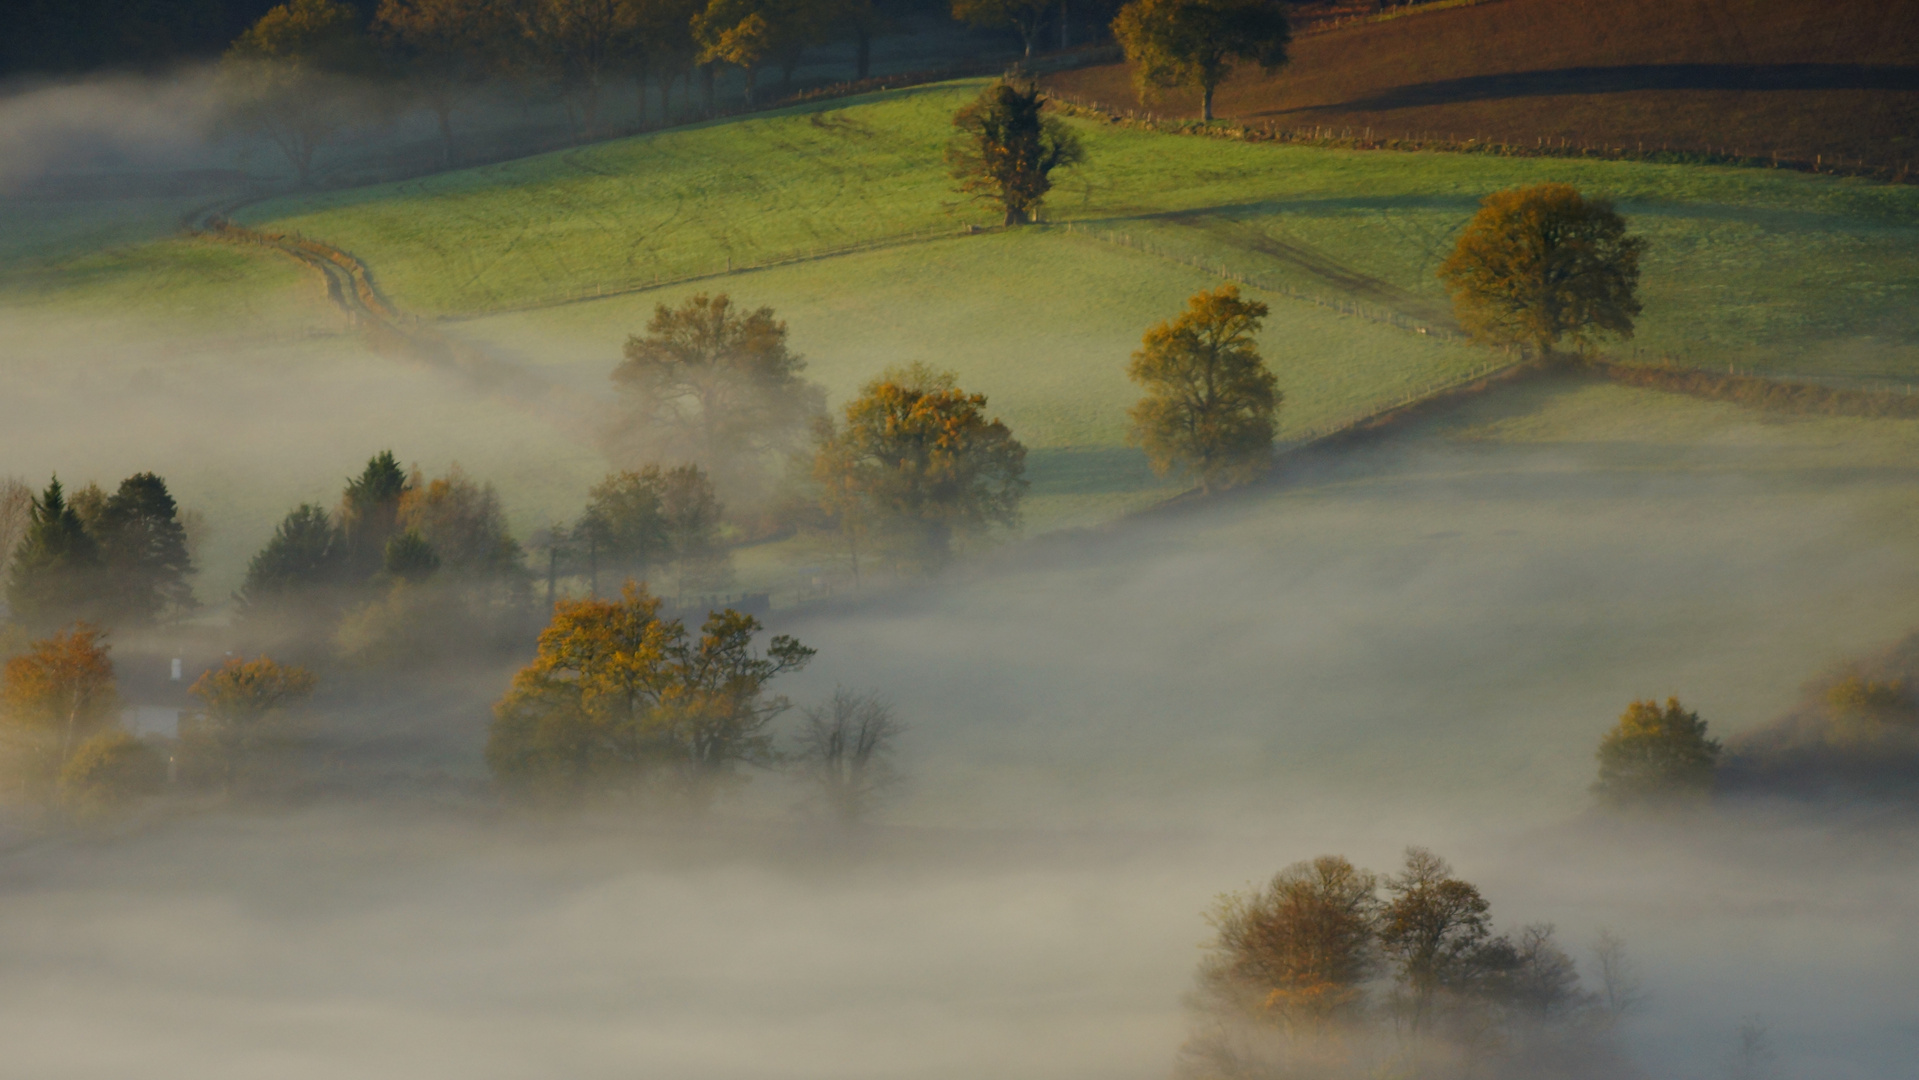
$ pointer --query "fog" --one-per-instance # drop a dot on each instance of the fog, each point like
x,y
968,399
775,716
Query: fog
x,y
1413,644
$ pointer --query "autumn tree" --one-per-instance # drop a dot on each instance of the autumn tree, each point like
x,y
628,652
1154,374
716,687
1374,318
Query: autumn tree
x,y
667,48
618,699
1197,43
55,574
54,697
715,385
577,45
925,458
464,522
1210,401
241,703
16,515
846,748
1299,950
1655,755
143,548
1432,928
449,48
1025,17
1004,150
109,772
1541,263
292,77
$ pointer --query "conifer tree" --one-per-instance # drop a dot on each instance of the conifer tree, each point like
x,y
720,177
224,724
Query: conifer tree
x,y
55,577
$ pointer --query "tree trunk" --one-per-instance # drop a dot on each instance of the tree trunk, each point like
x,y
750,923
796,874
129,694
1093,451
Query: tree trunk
x,y
862,51
445,115
1015,216
1206,103
707,72
666,98
1063,42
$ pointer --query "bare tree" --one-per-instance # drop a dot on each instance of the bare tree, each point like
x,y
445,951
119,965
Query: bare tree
x,y
847,749
1619,991
16,513
1753,1058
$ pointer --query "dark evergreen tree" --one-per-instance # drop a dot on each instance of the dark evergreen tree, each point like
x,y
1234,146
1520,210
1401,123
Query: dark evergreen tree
x,y
369,514
144,548
56,569
410,557
301,564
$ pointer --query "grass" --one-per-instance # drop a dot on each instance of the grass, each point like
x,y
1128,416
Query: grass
x,y
1753,75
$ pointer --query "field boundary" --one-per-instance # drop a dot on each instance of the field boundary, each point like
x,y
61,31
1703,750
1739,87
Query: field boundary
x,y
1347,138
1776,394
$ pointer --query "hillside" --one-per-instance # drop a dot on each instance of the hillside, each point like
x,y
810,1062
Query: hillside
x,y
1758,76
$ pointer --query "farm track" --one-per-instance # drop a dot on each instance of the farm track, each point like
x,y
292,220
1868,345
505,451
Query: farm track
x,y
390,332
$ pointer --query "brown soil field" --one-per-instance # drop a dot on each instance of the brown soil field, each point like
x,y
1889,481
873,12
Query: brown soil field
x,y
1753,77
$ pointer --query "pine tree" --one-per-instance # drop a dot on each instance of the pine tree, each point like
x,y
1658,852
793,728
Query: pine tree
x,y
55,577
144,548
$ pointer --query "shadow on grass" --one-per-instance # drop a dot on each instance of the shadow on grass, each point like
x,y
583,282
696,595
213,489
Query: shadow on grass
x,y
1089,470
1633,77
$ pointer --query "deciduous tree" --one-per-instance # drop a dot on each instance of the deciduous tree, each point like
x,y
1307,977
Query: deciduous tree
x,y
1210,400
1027,17
1656,755
109,772
292,77
1541,263
1432,929
52,698
846,748
1005,150
240,701
1197,43
1300,949
464,522
717,386
577,45
449,48
924,457
16,515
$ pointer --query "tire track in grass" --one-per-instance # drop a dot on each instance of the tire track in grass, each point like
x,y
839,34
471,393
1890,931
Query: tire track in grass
x,y
390,332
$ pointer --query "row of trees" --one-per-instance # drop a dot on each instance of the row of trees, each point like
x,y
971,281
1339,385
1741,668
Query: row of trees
x,y
1330,970
120,559
62,745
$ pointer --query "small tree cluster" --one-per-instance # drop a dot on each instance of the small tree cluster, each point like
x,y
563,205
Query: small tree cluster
x,y
649,523
620,702
117,559
243,706
1197,43
61,744
1329,969
1656,756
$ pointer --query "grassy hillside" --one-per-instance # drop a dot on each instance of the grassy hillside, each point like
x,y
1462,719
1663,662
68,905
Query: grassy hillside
x,y
1761,76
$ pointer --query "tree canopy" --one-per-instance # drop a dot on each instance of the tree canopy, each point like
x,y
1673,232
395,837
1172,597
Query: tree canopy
x,y
922,455
1210,401
54,577
1027,17
1004,150
1196,43
1656,754
289,77
144,549
238,701
1540,263
53,697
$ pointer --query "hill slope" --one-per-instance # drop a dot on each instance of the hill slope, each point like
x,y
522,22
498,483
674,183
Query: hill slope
x,y
1762,76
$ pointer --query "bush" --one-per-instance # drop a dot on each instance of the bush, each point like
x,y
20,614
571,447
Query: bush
x,y
110,772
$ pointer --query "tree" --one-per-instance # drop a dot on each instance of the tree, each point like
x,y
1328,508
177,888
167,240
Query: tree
x,y
109,772
16,515
54,578
1174,43
449,48
290,77
1433,929
1656,755
1027,17
370,514
624,525
667,47
144,548
922,455
1210,401
298,567
1298,950
1005,151
464,523
239,702
1540,263
54,697
577,45
617,696
846,748
410,557
742,33
717,386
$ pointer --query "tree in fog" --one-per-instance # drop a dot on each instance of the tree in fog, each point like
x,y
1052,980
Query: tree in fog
x,y
1297,951
715,385
240,703
109,772
293,77
846,748
1656,755
448,47
1210,401
1619,989
1004,150
464,522
1025,17
53,697
55,575
739,33
927,461
409,557
577,45
1541,263
1432,928
298,568
636,522
667,48
618,696
1197,43
143,548
16,515
370,514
